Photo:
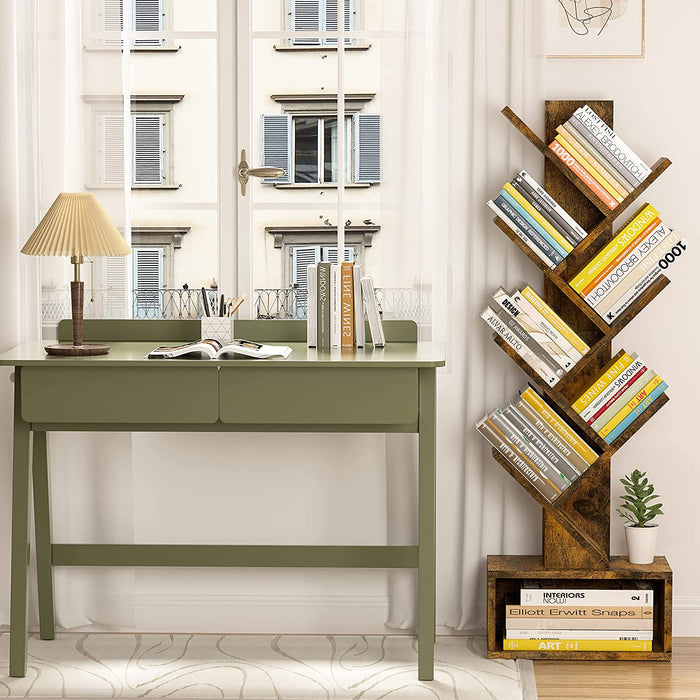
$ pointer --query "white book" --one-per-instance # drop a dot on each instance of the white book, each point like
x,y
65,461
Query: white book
x,y
613,388
359,306
311,304
546,326
373,314
540,368
597,634
587,597
336,313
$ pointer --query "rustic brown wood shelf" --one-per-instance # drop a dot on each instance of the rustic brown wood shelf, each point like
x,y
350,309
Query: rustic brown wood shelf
x,y
576,526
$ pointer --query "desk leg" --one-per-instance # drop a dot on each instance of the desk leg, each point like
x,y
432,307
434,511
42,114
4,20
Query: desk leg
x,y
42,531
426,524
19,594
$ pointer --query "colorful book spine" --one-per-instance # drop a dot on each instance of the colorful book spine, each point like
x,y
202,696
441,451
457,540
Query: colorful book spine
x,y
567,613
347,304
582,174
633,415
614,390
311,305
600,634
358,305
520,623
640,395
586,596
635,226
601,383
575,645
631,388
323,341
335,291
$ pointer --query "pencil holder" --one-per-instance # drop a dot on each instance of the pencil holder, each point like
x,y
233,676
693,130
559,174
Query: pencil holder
x,y
217,327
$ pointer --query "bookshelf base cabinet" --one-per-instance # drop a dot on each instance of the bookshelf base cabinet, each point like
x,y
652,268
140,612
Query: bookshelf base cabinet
x,y
506,575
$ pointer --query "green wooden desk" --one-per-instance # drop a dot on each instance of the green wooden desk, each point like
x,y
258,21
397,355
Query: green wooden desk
x,y
389,390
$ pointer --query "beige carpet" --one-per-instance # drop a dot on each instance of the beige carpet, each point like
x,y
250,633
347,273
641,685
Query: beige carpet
x,y
269,667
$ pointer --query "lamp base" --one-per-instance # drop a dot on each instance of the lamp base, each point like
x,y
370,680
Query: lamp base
x,y
77,351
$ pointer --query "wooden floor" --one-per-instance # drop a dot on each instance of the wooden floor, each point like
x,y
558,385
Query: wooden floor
x,y
616,680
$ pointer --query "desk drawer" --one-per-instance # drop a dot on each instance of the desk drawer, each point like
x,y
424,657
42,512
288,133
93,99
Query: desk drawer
x,y
322,396
120,394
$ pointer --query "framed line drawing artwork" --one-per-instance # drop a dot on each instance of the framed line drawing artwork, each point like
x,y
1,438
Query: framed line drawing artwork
x,y
593,28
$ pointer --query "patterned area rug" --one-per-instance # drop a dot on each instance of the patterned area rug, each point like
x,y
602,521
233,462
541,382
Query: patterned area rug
x,y
269,667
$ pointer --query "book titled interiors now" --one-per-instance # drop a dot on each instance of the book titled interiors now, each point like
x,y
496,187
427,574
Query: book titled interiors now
x,y
208,348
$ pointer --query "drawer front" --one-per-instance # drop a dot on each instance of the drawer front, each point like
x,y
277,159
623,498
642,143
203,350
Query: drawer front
x,y
120,394
321,396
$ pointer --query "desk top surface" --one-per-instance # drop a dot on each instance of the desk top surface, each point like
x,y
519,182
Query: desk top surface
x,y
132,354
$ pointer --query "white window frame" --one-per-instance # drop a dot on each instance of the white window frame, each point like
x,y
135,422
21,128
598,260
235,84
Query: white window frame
x,y
352,21
105,35
320,149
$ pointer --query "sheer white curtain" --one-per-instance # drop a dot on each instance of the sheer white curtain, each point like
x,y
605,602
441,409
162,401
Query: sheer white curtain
x,y
463,63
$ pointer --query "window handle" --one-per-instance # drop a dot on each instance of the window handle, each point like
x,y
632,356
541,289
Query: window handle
x,y
244,172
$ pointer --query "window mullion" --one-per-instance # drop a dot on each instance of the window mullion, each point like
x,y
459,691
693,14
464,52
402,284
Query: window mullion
x,y
321,160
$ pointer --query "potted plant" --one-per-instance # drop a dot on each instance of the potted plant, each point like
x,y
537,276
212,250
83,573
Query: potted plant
x,y
638,512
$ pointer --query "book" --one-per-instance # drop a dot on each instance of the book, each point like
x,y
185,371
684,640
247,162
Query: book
x,y
597,388
514,341
633,227
507,304
638,396
575,141
540,220
551,417
578,633
554,319
358,305
565,613
583,174
601,153
347,306
532,238
613,143
516,459
587,596
335,292
549,207
311,305
575,645
373,313
634,414
634,623
323,340
214,350
614,390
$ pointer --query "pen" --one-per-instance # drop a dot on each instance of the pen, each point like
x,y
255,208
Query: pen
x,y
237,303
205,302
221,306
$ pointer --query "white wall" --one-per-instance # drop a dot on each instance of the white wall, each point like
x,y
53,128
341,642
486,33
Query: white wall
x,y
656,104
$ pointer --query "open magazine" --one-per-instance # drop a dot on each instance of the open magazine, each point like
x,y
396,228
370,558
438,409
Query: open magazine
x,y
214,350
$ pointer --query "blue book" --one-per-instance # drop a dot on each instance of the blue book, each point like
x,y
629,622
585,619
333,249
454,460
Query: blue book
x,y
537,240
634,414
533,224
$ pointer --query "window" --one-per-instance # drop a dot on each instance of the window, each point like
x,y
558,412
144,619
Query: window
x,y
148,282
319,16
146,16
305,146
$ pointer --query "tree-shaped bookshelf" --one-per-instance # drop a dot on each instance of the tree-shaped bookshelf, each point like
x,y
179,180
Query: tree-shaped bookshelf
x,y
576,527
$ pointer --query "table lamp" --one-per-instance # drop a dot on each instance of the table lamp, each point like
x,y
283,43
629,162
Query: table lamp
x,y
78,226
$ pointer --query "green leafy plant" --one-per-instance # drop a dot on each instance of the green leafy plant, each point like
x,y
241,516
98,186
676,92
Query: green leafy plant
x,y
636,507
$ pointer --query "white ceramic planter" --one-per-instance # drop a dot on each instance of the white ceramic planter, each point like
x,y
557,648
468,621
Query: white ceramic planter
x,y
641,543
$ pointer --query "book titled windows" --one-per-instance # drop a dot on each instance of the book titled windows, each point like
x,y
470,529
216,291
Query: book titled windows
x,y
537,219
599,157
338,299
535,332
537,442
624,390
636,257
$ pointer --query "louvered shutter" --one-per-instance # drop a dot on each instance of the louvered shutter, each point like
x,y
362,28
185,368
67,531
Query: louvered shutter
x,y
112,21
368,155
331,19
111,146
306,17
276,146
148,149
114,285
302,255
147,17
148,281
330,254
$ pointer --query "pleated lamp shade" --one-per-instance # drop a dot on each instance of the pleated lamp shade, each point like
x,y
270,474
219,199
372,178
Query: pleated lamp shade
x,y
76,225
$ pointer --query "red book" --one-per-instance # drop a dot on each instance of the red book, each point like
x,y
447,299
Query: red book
x,y
583,174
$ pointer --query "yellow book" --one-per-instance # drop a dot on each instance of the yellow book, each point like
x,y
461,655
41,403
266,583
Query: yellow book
x,y
600,384
538,217
576,645
634,226
555,320
591,159
587,166
347,311
538,405
630,406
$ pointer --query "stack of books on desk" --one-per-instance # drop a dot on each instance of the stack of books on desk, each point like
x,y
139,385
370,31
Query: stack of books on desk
x,y
537,219
590,619
537,442
616,398
535,332
599,157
